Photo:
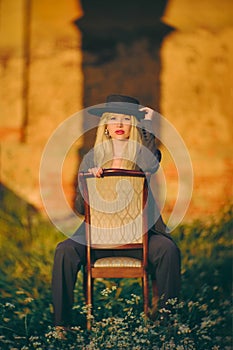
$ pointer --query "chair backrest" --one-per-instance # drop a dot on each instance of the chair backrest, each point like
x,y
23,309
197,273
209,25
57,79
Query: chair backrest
x,y
115,207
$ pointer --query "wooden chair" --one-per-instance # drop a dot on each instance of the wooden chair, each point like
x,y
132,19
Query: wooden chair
x,y
116,218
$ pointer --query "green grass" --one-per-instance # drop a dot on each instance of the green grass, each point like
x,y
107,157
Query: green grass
x,y
201,319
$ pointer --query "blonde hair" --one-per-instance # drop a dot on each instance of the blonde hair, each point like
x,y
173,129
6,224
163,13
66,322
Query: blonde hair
x,y
103,148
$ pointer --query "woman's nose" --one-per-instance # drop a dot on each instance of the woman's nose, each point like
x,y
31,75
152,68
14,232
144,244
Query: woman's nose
x,y
119,123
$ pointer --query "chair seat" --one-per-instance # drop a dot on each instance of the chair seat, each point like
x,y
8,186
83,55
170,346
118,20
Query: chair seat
x,y
119,261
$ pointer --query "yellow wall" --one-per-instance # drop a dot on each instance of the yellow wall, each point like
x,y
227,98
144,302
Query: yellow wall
x,y
195,77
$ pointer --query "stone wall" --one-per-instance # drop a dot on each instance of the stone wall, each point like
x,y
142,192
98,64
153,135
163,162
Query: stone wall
x,y
197,95
174,56
54,92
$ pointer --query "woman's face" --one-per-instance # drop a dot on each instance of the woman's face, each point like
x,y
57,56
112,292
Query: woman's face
x,y
119,126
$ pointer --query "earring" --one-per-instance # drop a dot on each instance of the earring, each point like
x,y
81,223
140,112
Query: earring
x,y
106,132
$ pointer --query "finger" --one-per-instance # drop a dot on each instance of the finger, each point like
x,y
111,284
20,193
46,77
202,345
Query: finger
x,y
99,172
144,109
93,171
149,112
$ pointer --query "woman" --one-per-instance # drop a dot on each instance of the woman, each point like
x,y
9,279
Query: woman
x,y
121,142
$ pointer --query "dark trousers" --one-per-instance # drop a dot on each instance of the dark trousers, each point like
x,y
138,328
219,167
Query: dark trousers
x,y
70,255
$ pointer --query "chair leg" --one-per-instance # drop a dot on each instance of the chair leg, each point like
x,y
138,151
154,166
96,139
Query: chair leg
x,y
145,293
89,300
85,283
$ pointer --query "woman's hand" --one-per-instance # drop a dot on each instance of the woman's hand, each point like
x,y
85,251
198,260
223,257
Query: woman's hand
x,y
150,113
97,172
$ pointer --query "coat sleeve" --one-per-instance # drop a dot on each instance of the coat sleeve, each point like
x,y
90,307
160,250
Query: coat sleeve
x,y
79,202
150,156
87,162
148,138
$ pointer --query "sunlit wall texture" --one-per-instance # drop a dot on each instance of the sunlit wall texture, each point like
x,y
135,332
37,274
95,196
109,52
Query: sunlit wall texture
x,y
58,57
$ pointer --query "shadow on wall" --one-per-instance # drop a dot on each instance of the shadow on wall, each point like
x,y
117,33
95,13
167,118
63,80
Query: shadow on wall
x,y
121,44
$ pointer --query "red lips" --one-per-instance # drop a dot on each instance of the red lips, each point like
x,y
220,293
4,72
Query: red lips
x,y
119,132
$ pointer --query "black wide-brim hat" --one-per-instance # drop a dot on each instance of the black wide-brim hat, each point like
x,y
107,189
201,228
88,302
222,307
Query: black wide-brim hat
x,y
119,104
